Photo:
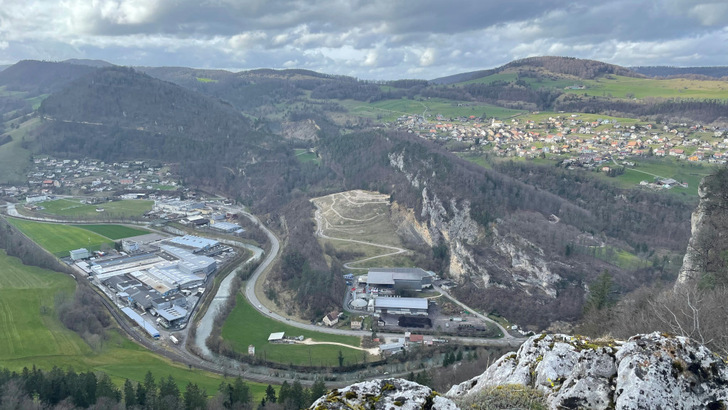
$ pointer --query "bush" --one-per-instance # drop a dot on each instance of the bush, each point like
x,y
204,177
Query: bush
x,y
510,396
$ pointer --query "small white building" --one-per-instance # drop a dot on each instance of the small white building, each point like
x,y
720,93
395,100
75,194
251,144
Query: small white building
x,y
277,337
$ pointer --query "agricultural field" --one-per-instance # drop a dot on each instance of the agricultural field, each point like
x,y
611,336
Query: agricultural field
x,y
246,326
114,231
60,239
646,169
620,86
73,208
31,334
629,87
390,110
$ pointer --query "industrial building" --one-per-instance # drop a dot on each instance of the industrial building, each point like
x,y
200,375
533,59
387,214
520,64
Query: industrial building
x,y
172,317
148,327
399,306
195,243
191,263
227,227
414,279
78,254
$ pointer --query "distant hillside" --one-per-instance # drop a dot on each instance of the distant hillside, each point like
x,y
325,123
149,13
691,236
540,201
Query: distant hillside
x,y
41,77
90,63
666,71
462,77
116,113
570,66
2,67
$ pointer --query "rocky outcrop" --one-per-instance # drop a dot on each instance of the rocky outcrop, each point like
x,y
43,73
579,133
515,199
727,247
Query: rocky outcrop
x,y
692,261
450,221
646,372
384,394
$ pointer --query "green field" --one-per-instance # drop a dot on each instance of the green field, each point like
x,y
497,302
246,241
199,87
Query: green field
x,y
246,326
304,155
59,239
623,87
31,334
73,208
620,86
205,80
390,110
683,171
113,231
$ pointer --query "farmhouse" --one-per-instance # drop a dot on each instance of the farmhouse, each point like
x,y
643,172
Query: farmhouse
x,y
400,306
399,278
331,319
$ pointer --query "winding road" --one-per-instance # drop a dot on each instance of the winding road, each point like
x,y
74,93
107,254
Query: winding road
x,y
214,363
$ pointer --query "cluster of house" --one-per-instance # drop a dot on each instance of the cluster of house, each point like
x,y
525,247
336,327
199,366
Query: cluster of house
x,y
572,136
49,175
155,274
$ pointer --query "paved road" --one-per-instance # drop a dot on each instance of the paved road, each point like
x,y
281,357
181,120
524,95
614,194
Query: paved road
x,y
506,335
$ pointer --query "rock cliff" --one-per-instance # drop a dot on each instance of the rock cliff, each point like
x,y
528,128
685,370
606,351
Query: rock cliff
x,y
705,259
384,394
645,372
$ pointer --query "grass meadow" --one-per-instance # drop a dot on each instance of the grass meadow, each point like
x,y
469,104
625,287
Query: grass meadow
x,y
246,326
113,231
31,334
390,110
59,239
73,208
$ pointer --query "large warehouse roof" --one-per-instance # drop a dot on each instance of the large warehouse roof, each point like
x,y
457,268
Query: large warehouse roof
x,y
400,303
387,276
195,242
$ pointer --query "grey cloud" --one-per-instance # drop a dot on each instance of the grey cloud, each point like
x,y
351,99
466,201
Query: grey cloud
x,y
381,39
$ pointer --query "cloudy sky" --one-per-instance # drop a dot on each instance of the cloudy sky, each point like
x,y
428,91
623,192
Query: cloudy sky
x,y
370,39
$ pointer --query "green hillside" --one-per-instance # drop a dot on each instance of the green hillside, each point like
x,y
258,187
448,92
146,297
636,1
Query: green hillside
x,y
31,334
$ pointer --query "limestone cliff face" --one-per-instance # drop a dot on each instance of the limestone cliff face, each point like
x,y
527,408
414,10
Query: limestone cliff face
x,y
520,263
646,372
692,266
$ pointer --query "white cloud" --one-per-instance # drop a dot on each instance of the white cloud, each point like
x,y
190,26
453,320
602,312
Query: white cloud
x,y
428,57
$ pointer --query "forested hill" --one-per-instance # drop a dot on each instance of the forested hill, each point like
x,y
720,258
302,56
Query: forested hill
x,y
117,113
567,66
41,77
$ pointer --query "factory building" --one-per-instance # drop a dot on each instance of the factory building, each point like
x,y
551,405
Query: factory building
x,y
399,278
399,306
195,243
172,317
148,327
78,254
189,262
227,227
